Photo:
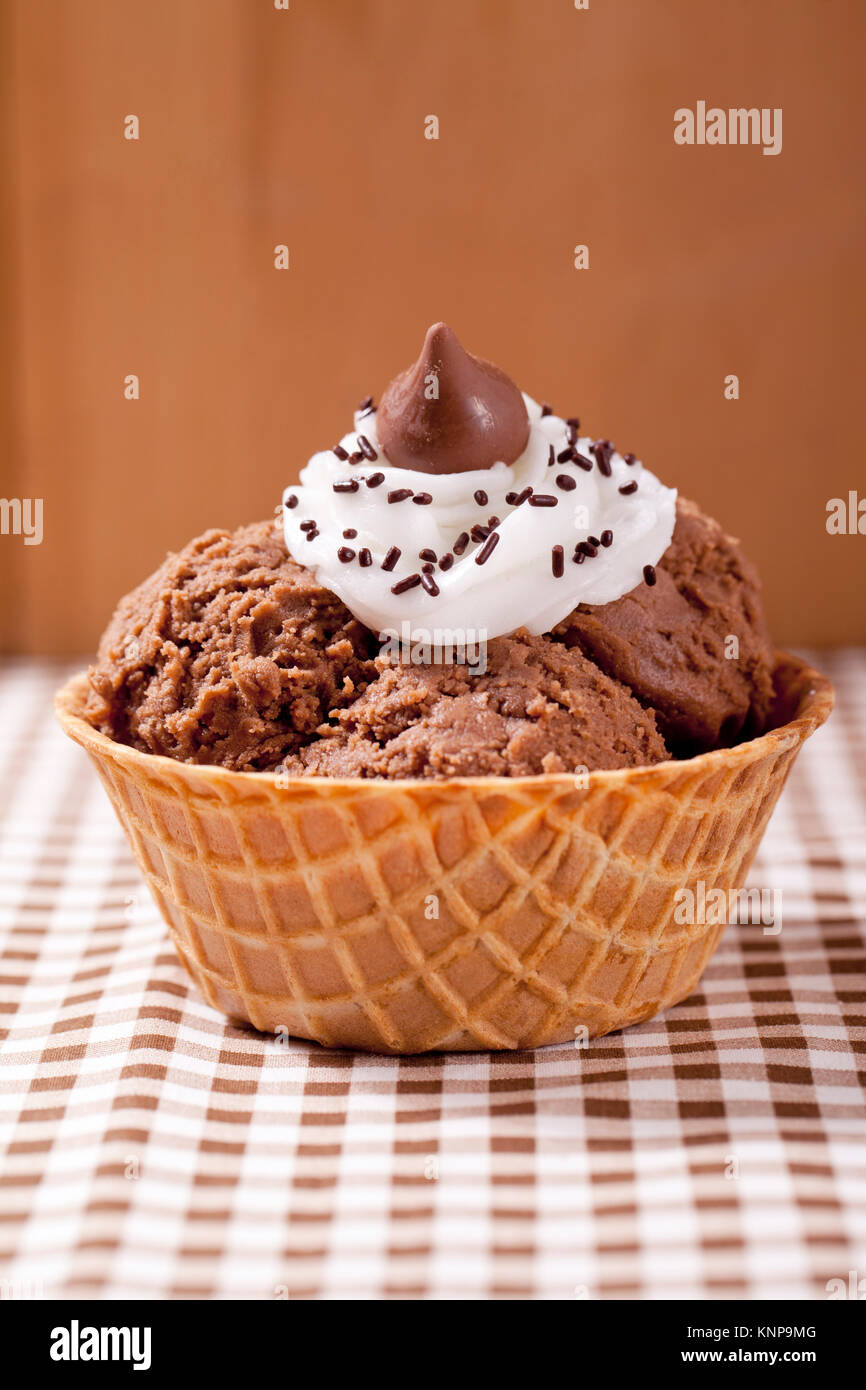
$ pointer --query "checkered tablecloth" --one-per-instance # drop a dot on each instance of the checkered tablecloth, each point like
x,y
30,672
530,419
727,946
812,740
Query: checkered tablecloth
x,y
150,1150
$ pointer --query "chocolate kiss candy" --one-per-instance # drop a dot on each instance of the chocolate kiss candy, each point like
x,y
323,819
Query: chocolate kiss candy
x,y
451,412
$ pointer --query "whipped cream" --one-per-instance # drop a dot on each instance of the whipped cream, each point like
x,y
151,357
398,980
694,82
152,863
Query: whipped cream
x,y
524,580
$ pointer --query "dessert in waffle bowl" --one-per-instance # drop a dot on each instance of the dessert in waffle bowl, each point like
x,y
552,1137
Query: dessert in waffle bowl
x,y
435,761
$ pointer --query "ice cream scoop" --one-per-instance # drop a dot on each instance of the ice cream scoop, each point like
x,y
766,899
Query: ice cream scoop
x,y
451,412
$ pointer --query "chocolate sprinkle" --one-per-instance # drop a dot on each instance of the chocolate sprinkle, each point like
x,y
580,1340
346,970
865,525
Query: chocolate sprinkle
x,y
399,494
546,409
447,561
602,451
488,548
557,561
481,497
594,540
583,462
341,453
375,479
422,499
351,485
345,553
410,582
427,554
543,499
588,549
291,502
607,538
565,455
311,535
566,482
356,456
366,448
551,456
350,533
522,496
461,543
366,403
391,558
308,525
630,459
364,557
429,583
578,557
479,532
427,568
649,574
628,488
511,498
493,522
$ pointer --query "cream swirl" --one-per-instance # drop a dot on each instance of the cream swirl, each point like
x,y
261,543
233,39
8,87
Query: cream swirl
x,y
579,529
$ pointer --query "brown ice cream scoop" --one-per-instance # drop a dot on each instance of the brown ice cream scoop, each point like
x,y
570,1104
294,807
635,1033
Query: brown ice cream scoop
x,y
668,642
451,412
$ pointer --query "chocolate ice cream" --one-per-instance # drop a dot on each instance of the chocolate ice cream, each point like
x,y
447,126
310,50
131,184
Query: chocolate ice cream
x,y
693,645
462,505
230,653
537,708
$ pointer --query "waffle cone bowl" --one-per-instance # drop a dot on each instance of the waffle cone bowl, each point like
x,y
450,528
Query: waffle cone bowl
x,y
477,913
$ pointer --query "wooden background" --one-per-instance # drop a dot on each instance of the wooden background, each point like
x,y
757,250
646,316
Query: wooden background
x,y
306,127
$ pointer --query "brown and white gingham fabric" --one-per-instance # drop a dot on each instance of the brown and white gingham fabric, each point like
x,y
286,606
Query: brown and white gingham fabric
x,y
150,1150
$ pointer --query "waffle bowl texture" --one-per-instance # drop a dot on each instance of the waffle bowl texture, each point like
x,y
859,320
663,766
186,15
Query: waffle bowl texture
x,y
476,913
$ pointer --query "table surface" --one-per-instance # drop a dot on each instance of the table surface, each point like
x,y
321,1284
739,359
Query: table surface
x,y
151,1150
